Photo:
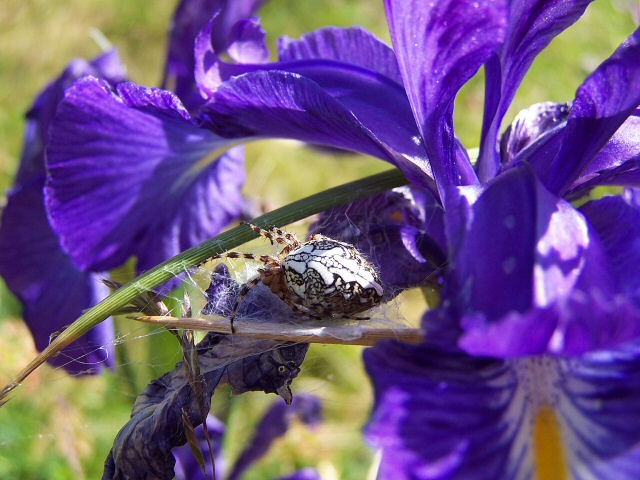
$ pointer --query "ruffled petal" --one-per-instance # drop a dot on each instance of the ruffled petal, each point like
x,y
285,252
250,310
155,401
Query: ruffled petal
x,y
441,45
532,26
602,104
352,81
188,19
439,414
130,164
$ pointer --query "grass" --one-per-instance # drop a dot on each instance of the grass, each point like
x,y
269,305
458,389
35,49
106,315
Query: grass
x,y
59,427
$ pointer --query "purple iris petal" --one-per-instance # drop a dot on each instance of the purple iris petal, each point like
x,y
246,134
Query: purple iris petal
x,y
249,42
187,467
352,45
622,245
52,290
603,102
275,423
189,18
618,161
322,84
532,26
288,105
131,163
526,264
440,414
440,45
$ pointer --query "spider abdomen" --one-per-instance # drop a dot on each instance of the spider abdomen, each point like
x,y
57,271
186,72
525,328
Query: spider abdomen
x,y
333,275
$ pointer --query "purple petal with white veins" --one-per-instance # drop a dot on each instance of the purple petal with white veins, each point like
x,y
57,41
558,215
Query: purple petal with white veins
x,y
441,45
52,290
340,106
442,415
603,103
532,26
188,19
131,163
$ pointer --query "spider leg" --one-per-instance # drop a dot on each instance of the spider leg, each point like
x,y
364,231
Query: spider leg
x,y
275,234
241,294
246,256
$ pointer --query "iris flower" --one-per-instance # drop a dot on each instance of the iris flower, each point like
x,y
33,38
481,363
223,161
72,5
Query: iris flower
x,y
534,343
55,286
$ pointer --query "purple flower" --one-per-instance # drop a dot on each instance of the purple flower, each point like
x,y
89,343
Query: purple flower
x,y
52,289
536,334
53,278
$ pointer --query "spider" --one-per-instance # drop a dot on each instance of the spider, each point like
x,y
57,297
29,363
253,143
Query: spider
x,y
319,278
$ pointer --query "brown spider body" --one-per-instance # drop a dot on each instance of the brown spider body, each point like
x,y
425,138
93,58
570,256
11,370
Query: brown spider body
x,y
320,278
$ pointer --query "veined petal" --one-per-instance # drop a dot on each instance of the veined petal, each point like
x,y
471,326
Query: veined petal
x,y
348,108
442,415
127,164
602,104
188,19
532,26
440,45
333,66
52,290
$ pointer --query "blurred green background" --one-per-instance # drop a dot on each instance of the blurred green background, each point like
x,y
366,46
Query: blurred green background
x,y
58,427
